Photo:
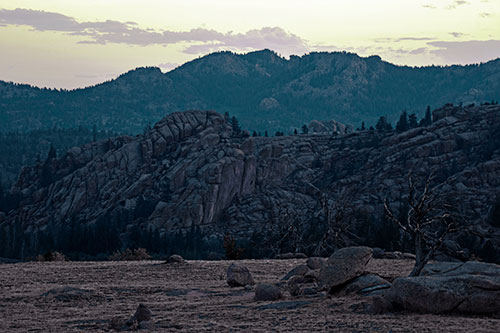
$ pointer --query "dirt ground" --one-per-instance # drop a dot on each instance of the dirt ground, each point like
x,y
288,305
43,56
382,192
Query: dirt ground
x,y
194,298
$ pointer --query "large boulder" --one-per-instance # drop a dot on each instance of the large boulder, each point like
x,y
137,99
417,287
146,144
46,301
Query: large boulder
x,y
470,287
344,265
239,276
267,292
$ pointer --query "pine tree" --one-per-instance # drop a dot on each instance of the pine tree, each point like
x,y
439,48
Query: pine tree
x,y
427,120
402,124
382,125
363,128
305,129
412,121
235,125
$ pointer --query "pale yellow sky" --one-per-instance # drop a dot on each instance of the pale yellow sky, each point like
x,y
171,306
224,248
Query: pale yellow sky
x,y
81,42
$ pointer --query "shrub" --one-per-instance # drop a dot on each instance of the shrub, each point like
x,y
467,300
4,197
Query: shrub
x,y
232,251
51,256
128,254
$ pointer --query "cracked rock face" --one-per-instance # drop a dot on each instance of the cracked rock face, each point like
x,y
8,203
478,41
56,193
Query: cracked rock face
x,y
194,172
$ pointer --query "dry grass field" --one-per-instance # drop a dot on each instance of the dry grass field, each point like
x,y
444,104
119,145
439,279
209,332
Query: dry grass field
x,y
194,298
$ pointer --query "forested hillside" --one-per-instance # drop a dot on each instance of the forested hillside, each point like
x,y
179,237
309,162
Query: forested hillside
x,y
262,89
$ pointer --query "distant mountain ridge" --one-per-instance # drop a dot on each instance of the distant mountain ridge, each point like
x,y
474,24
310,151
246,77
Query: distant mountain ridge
x,y
262,89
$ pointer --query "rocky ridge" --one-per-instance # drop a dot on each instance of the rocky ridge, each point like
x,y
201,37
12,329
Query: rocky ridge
x,y
195,172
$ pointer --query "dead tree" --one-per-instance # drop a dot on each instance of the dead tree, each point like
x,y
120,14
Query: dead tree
x,y
339,221
290,230
428,222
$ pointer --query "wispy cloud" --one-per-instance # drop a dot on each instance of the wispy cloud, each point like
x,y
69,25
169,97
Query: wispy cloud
x,y
484,15
457,34
110,31
457,3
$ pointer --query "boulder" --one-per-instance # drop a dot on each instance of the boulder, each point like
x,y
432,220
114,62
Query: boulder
x,y
302,285
238,276
267,292
471,287
344,265
299,270
175,259
363,285
378,253
315,262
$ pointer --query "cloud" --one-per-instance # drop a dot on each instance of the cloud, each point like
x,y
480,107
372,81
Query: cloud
x,y
429,6
167,66
402,39
457,3
484,15
466,52
111,31
457,34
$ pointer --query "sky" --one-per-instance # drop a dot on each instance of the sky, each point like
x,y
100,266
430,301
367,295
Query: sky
x,y
77,43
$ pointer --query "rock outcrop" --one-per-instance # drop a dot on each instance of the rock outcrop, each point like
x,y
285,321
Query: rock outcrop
x,y
193,172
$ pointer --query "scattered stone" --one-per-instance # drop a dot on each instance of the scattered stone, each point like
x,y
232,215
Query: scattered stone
x,y
344,265
299,270
175,259
267,292
315,262
290,255
238,276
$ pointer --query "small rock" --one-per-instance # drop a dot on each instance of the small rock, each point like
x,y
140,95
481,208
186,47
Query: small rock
x,y
378,253
315,262
299,270
267,292
238,276
175,258
288,255
294,284
300,256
